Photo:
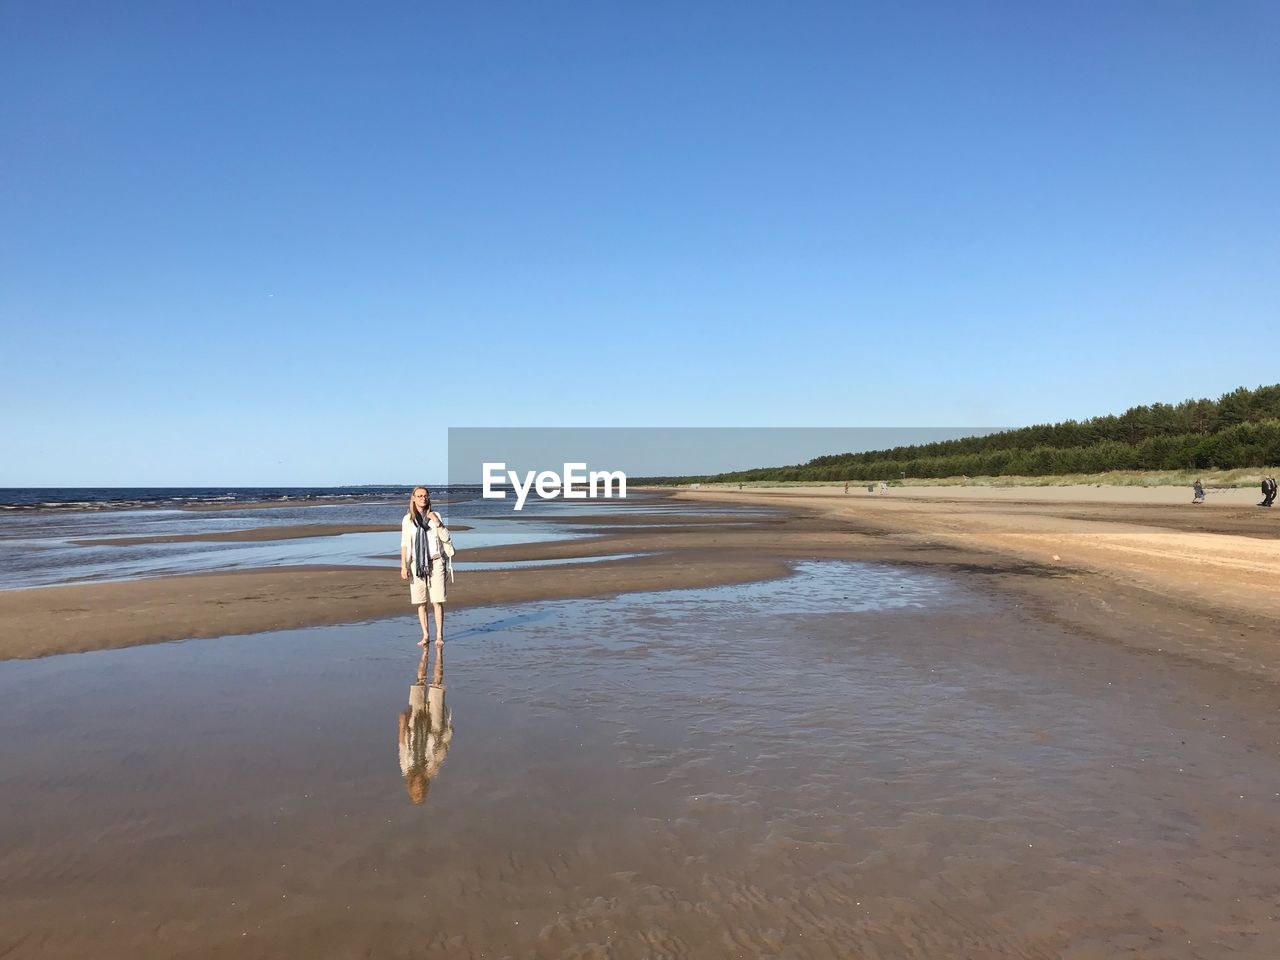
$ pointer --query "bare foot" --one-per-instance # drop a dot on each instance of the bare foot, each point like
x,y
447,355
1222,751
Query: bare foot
x,y
423,643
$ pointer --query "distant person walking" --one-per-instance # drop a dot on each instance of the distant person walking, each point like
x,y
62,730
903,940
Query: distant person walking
x,y
846,487
424,563
1197,489
1268,491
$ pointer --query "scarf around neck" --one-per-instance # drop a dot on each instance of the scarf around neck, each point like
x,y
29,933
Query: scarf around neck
x,y
422,546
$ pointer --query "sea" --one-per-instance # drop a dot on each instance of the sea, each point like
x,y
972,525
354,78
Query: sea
x,y
58,535
125,498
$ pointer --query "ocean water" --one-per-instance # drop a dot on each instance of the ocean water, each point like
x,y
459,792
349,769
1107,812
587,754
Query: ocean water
x,y
118,498
95,499
37,546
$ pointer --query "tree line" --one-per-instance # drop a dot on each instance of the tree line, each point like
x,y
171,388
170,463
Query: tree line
x,y
1239,429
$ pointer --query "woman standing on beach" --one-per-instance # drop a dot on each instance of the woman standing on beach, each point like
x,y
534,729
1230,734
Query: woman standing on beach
x,y
423,562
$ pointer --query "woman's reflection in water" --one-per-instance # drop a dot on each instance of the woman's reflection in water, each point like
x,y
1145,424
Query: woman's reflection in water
x,y
423,744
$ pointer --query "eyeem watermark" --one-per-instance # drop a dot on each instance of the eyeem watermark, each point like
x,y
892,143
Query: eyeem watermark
x,y
575,484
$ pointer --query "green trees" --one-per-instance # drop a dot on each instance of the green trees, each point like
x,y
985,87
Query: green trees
x,y
1239,429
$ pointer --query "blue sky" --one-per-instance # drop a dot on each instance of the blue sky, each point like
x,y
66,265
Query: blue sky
x,y
293,243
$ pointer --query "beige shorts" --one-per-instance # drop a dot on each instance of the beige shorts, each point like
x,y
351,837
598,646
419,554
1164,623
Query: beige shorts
x,y
418,587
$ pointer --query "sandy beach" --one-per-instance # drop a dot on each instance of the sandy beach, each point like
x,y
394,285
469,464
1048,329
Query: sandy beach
x,y
944,756
769,723
252,535
1197,579
1049,493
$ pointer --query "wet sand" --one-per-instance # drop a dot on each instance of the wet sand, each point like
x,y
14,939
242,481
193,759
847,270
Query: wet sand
x,y
894,730
1238,497
1200,581
256,534
296,502
252,535
52,620
1220,560
858,761
231,505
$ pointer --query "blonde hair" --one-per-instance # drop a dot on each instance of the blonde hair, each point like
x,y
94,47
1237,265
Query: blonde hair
x,y
418,783
413,507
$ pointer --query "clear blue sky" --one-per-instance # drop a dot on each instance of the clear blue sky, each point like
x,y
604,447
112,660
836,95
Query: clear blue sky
x,y
292,243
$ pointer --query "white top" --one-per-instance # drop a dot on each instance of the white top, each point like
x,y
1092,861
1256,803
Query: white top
x,y
406,538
